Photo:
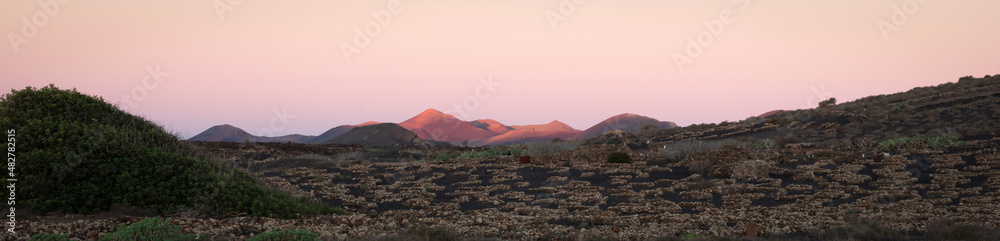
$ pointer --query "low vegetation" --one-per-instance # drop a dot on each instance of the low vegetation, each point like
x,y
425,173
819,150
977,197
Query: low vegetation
x,y
349,156
421,233
149,229
946,229
619,157
860,229
495,151
88,156
965,110
531,149
49,237
765,144
678,151
549,148
286,235
806,169
943,141
443,157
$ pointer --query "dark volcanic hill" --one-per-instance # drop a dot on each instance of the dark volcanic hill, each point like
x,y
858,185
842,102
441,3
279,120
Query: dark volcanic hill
x,y
380,135
224,132
330,134
625,122
337,131
231,133
433,125
295,138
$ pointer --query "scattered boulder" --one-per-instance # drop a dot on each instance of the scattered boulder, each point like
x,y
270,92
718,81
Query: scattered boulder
x,y
751,230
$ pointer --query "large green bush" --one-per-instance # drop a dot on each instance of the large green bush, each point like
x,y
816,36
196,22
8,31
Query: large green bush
x,y
78,154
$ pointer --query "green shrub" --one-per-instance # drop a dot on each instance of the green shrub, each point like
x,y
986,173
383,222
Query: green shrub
x,y
862,229
828,103
87,156
49,237
966,78
779,121
283,235
894,144
619,157
900,106
765,144
148,229
944,229
443,157
496,151
944,141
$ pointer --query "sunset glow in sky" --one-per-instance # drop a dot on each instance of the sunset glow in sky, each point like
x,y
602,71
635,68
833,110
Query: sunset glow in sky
x,y
189,65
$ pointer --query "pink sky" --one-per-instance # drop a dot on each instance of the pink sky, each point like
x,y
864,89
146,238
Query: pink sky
x,y
603,58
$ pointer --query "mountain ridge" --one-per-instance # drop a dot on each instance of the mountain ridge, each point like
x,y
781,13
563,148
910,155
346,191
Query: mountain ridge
x,y
434,125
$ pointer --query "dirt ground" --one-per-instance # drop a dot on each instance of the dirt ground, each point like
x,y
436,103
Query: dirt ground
x,y
575,194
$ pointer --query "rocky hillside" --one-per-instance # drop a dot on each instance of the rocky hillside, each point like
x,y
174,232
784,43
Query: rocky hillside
x,y
385,134
967,109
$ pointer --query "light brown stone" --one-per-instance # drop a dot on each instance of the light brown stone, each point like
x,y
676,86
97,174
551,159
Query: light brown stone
x,y
752,230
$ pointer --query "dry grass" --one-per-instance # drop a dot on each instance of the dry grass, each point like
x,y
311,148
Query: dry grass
x,y
678,151
420,233
549,148
350,156
945,229
860,229
751,169
700,166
